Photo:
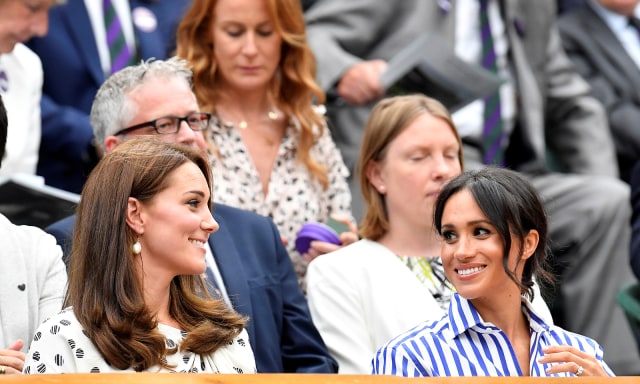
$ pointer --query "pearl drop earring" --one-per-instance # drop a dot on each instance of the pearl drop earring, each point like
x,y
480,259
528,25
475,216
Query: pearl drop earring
x,y
136,248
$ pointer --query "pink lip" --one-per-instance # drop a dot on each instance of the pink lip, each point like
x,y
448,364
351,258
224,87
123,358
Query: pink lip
x,y
250,69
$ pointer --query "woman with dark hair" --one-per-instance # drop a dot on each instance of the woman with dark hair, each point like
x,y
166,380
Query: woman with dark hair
x,y
494,231
136,299
410,150
272,150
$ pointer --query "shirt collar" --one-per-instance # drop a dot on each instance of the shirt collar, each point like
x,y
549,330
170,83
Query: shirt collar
x,y
463,316
615,21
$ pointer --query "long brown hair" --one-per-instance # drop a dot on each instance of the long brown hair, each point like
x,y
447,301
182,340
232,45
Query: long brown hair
x,y
388,119
104,288
294,87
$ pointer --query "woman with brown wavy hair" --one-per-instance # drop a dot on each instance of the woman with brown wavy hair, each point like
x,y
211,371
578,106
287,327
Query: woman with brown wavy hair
x,y
273,153
135,299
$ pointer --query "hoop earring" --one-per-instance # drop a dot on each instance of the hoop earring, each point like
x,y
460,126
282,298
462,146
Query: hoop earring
x,y
136,248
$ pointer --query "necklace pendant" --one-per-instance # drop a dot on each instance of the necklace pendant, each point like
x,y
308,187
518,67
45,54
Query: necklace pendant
x,y
243,124
273,115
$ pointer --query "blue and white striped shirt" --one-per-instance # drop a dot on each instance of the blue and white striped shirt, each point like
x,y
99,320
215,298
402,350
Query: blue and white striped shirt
x,y
461,344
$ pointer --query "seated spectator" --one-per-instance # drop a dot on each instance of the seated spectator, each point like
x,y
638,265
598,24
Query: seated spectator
x,y
272,151
77,56
410,150
245,257
21,81
136,300
543,107
605,48
494,232
32,281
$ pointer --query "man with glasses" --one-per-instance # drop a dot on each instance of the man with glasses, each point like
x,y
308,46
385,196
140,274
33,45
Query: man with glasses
x,y
247,262
78,55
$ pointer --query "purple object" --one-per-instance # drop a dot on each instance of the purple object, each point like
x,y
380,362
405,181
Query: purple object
x,y
315,231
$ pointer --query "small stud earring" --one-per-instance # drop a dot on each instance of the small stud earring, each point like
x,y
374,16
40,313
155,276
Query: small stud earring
x,y
136,248
381,188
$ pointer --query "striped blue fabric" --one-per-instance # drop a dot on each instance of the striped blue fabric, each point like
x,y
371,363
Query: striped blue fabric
x,y
461,344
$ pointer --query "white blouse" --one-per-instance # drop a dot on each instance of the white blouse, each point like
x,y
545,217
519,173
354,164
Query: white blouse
x,y
60,345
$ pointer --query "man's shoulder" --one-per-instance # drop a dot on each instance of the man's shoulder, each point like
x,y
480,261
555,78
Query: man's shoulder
x,y
229,213
62,228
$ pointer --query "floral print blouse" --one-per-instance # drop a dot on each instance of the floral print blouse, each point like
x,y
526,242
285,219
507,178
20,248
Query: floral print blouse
x,y
294,196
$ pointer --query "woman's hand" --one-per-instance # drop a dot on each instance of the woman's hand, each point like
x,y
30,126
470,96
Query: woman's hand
x,y
12,359
571,360
317,248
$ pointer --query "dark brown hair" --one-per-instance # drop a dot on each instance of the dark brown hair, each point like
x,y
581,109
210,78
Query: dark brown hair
x,y
104,287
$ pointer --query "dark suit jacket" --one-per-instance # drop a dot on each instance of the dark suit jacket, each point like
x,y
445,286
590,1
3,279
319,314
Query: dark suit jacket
x,y
614,76
72,76
262,285
635,220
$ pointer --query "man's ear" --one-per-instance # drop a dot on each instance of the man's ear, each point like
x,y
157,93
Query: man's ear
x,y
111,142
134,216
374,175
530,244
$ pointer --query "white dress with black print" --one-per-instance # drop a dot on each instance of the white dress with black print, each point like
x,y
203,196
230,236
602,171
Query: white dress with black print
x,y
60,345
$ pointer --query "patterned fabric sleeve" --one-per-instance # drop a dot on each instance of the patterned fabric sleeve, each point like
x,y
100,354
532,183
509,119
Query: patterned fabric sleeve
x,y
394,359
51,350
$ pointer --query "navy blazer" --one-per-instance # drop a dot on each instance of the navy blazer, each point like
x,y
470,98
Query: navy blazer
x,y
72,76
262,285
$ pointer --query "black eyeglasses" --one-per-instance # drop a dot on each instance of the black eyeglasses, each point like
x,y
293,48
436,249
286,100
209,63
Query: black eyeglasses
x,y
197,121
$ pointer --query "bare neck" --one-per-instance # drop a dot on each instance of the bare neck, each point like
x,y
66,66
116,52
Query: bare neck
x,y
411,240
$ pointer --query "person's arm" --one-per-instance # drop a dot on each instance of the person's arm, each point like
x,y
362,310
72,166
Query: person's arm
x,y
576,125
66,131
337,312
12,359
55,352
393,359
340,33
52,275
302,348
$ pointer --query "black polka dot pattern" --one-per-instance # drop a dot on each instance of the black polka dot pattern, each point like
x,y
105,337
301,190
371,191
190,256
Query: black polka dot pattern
x,y
60,345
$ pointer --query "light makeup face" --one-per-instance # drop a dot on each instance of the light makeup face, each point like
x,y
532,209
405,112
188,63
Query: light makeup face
x,y
176,225
165,97
21,20
418,163
247,47
472,251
